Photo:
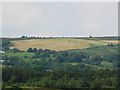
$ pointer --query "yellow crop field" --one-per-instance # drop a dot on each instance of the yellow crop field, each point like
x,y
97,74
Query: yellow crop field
x,y
58,44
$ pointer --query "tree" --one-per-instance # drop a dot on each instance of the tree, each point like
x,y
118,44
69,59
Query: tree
x,y
13,60
5,57
13,79
71,83
34,50
90,36
15,86
108,44
30,50
15,50
97,84
112,44
23,37
25,56
38,68
40,50
6,48
80,66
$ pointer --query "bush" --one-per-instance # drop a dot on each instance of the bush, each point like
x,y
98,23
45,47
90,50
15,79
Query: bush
x,y
15,86
15,50
30,50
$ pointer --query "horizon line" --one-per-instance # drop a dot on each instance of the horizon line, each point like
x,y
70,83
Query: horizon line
x,y
61,36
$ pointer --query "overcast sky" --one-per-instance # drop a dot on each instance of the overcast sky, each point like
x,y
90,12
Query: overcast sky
x,y
60,19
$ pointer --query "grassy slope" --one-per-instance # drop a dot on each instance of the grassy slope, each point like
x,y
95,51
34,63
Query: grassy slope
x,y
59,44
98,51
91,47
20,54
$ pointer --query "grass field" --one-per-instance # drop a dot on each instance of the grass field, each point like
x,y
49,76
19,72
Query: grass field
x,y
59,44
98,51
20,54
111,41
107,64
74,64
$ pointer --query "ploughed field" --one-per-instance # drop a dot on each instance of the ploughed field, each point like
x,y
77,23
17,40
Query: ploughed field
x,y
59,44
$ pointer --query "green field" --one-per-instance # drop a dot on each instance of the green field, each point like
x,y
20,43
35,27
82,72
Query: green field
x,y
102,51
59,44
98,51
107,64
20,54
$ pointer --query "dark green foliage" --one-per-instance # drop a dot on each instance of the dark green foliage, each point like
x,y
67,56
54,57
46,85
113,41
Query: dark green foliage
x,y
12,60
40,50
15,50
30,50
110,44
37,76
5,57
6,48
25,56
87,68
3,85
5,43
15,86
53,60
35,50
97,83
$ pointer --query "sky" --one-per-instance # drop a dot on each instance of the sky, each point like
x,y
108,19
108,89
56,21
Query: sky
x,y
74,19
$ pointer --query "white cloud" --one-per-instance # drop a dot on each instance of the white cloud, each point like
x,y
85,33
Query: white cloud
x,y
60,19
31,15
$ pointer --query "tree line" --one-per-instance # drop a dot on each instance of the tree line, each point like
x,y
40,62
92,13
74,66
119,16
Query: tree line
x,y
37,76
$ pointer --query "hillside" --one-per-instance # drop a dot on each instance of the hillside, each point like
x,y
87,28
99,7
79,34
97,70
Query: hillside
x,y
59,44
60,63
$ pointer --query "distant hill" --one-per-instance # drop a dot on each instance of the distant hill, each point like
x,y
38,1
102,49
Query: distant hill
x,y
60,44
